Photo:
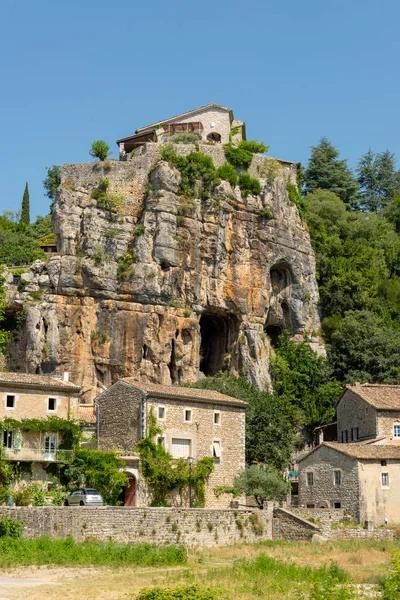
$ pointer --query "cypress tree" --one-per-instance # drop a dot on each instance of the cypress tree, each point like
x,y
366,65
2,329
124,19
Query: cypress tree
x,y
25,209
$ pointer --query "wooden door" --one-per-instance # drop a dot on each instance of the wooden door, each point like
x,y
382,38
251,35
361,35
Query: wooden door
x,y
130,492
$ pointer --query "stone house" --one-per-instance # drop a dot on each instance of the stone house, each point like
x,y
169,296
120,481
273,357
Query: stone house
x,y
368,412
360,472
195,423
361,478
212,123
28,396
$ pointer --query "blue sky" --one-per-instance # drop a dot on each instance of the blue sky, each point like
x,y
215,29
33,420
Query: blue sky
x,y
73,72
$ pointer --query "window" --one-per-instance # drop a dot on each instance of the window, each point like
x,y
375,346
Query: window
x,y
180,448
345,436
216,449
385,479
217,417
50,444
51,404
188,415
10,401
161,441
337,477
310,505
310,478
396,430
383,463
161,412
354,434
337,505
7,438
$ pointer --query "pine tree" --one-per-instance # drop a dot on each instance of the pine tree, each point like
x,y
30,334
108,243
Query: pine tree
x,y
25,208
378,180
327,172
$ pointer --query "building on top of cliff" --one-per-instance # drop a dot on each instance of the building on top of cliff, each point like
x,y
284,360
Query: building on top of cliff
x,y
211,123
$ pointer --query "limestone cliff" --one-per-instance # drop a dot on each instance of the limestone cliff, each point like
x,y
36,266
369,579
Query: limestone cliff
x,y
151,285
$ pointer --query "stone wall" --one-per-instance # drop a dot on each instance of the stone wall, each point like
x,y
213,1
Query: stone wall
x,y
353,411
119,418
288,526
192,527
386,420
361,534
322,463
33,404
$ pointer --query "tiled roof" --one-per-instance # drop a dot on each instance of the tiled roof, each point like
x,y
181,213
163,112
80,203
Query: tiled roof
x,y
185,114
380,396
362,450
87,413
29,380
184,393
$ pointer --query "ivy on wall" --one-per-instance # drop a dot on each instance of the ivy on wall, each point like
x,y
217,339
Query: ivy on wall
x,y
164,475
69,430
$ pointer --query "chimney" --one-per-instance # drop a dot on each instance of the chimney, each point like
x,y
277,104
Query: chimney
x,y
66,376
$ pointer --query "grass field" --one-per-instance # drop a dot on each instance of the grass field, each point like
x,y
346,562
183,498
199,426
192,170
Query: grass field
x,y
270,570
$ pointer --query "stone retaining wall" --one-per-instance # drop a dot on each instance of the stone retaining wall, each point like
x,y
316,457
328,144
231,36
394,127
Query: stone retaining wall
x,y
192,527
361,534
288,526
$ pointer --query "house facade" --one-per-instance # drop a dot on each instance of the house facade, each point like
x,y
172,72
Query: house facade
x,y
194,423
212,123
360,472
361,478
25,396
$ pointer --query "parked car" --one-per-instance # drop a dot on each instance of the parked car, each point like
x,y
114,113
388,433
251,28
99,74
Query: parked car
x,y
84,497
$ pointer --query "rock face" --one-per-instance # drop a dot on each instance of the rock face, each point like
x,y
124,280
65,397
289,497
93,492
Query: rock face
x,y
151,285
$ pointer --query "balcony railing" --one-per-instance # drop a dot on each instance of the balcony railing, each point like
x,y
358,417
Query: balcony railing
x,y
36,454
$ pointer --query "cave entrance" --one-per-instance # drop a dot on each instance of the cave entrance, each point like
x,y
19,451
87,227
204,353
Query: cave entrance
x,y
273,332
217,336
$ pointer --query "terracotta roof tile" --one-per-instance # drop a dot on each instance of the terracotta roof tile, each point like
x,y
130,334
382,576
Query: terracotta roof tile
x,y
177,392
366,451
36,381
87,413
380,396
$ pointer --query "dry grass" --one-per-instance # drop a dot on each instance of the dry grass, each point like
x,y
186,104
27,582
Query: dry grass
x,y
218,567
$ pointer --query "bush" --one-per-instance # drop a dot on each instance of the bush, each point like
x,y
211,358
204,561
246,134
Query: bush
x,y
100,149
266,213
99,256
228,173
253,146
296,199
139,230
185,592
249,185
390,586
11,528
184,138
238,157
23,496
196,169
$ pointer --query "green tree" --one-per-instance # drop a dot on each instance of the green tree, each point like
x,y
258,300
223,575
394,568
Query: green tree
x,y
264,482
378,180
100,470
25,208
3,332
327,172
304,380
100,149
52,181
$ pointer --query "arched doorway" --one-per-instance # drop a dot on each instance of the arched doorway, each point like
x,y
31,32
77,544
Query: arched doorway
x,y
214,137
130,491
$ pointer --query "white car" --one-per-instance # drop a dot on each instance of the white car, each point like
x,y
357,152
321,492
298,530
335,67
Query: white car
x,y
84,497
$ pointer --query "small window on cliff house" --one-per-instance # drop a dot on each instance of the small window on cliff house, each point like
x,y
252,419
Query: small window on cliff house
x,y
385,479
337,477
396,430
161,441
188,415
7,438
10,401
161,412
51,404
217,417
310,478
354,434
216,449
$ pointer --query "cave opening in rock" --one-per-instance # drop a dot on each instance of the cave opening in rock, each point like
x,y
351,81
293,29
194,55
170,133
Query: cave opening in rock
x,y
217,337
273,332
173,371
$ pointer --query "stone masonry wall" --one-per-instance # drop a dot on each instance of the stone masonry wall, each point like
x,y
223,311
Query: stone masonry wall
x,y
322,463
119,418
292,527
361,534
352,411
33,404
386,420
192,527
